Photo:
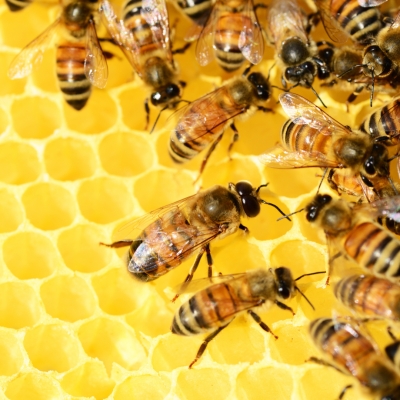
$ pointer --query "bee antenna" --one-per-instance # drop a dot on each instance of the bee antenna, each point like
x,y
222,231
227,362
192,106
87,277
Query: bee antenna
x,y
277,87
302,276
308,301
397,155
275,206
163,109
289,215
309,274
322,179
261,186
351,69
269,72
319,98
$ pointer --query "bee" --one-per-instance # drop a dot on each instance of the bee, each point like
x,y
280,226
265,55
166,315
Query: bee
x,y
164,238
143,36
370,296
296,53
231,34
197,10
203,122
18,5
351,231
214,308
311,138
80,63
353,353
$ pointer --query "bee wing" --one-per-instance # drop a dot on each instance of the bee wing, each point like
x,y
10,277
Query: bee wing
x,y
197,26
285,18
387,207
279,157
121,35
96,69
371,3
32,55
205,44
251,42
156,14
332,27
303,112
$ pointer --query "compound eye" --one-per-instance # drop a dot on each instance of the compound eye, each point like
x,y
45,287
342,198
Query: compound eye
x,y
283,291
369,166
172,90
285,281
244,188
156,98
312,213
309,67
324,199
261,85
251,206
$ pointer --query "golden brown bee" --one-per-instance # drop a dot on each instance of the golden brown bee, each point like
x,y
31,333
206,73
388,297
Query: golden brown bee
x,y
203,122
353,353
231,34
213,308
81,62
311,138
351,231
164,238
18,5
296,53
143,36
370,296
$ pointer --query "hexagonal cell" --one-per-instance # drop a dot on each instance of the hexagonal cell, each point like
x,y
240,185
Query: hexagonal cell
x,y
192,384
35,117
132,105
68,298
19,305
104,200
52,347
143,387
98,115
4,121
119,292
69,159
9,86
254,383
88,380
33,386
80,248
19,163
29,255
45,77
125,154
112,342
49,206
12,356
11,215
161,187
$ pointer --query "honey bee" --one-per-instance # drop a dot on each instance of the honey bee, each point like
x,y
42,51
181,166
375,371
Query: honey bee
x,y
203,122
370,296
231,34
214,308
197,10
164,238
296,53
143,36
355,354
18,5
350,230
81,62
311,138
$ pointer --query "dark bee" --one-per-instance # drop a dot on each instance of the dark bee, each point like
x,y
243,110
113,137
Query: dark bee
x,y
81,62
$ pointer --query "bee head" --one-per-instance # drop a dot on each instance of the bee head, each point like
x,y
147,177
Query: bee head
x,y
248,197
302,74
377,162
313,209
285,282
376,62
78,13
261,85
166,95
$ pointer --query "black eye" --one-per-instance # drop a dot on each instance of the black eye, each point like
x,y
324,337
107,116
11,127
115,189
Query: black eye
x,y
285,281
251,206
308,67
243,188
314,208
261,85
369,166
172,90
312,213
324,199
156,98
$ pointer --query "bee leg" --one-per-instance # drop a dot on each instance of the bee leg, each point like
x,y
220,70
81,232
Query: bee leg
x,y
205,343
205,159
324,363
147,111
353,96
183,49
234,139
117,245
283,306
343,392
262,324
244,228
209,260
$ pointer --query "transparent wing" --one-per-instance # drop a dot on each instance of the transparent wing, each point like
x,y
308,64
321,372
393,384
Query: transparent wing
x,y
285,19
388,207
96,69
303,112
32,55
198,25
279,157
251,41
371,3
121,35
332,27
205,43
156,14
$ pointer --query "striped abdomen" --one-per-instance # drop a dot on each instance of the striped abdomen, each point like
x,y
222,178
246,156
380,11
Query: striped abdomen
x,y
375,249
342,182
226,40
361,23
212,308
163,245
297,137
370,296
195,9
71,74
384,122
18,5
354,353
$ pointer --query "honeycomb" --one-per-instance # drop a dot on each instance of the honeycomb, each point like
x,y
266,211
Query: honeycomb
x,y
74,324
